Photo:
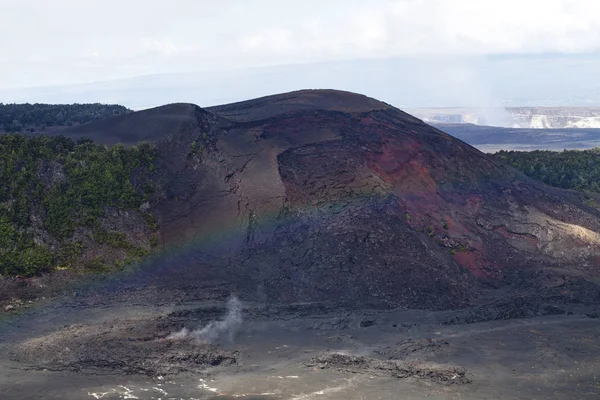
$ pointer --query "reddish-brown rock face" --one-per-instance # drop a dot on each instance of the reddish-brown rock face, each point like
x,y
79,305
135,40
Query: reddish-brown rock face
x,y
328,195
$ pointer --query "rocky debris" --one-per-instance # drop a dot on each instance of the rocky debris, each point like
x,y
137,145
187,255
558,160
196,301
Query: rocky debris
x,y
21,292
445,375
137,232
123,347
414,349
14,305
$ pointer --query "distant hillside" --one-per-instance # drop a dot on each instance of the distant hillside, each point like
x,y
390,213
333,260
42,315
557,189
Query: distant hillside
x,y
491,139
149,125
38,117
515,117
309,196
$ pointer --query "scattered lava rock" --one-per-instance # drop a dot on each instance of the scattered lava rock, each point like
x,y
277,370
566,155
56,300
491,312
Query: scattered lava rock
x,y
413,348
367,323
445,375
342,338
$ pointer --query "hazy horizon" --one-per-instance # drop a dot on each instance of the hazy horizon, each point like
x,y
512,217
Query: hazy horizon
x,y
403,82
410,53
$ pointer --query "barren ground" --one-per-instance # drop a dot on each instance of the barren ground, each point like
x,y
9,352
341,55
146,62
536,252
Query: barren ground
x,y
74,350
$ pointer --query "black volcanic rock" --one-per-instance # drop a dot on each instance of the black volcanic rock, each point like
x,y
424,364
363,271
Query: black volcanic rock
x,y
304,100
333,196
148,125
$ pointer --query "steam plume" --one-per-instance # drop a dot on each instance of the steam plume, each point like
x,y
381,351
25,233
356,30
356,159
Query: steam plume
x,y
214,330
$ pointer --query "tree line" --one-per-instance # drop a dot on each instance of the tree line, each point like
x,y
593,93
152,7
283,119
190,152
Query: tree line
x,y
37,117
569,169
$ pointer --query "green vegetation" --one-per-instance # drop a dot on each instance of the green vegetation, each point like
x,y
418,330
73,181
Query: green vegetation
x,y
35,117
193,148
115,239
569,169
19,255
97,265
430,232
460,248
52,185
196,148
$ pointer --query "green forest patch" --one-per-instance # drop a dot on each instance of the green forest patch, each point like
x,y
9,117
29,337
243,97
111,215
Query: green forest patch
x,y
569,169
52,186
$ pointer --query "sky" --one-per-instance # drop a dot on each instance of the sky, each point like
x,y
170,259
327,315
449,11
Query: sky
x,y
66,42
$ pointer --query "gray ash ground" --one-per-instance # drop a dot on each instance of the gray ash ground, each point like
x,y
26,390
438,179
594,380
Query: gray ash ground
x,y
132,346
305,351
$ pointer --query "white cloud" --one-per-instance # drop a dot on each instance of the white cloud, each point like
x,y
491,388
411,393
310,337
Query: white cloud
x,y
165,47
433,27
278,40
136,37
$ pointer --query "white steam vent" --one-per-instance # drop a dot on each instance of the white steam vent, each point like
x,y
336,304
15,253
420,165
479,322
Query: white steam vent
x,y
215,330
